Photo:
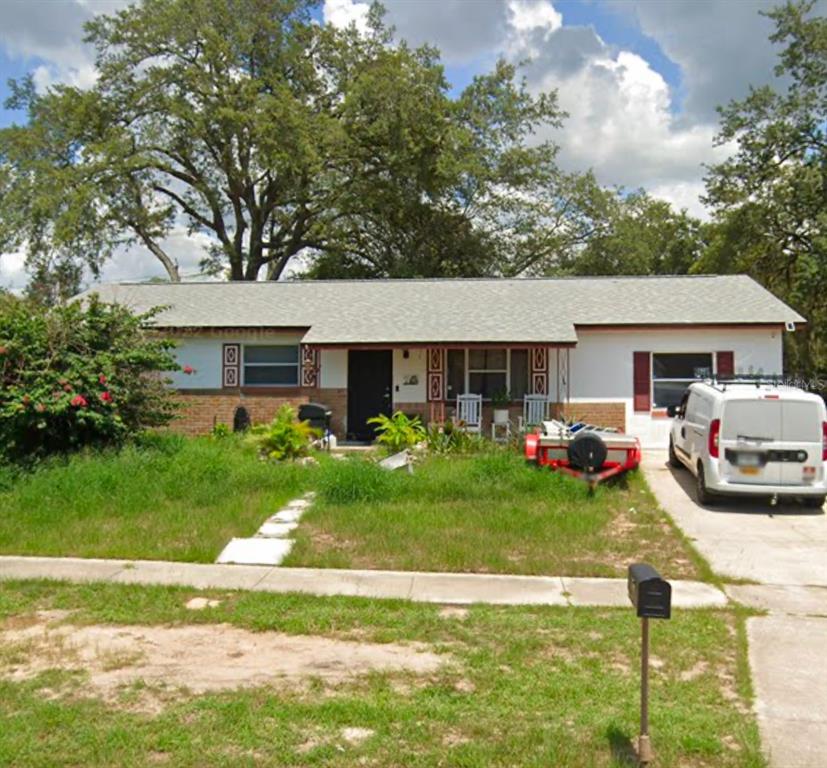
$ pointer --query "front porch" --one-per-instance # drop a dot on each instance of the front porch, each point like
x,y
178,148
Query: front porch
x,y
489,371
426,380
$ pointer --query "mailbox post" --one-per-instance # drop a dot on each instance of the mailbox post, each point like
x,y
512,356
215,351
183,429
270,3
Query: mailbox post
x,y
652,598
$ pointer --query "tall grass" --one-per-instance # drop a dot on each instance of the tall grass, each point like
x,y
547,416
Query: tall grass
x,y
495,474
488,512
164,497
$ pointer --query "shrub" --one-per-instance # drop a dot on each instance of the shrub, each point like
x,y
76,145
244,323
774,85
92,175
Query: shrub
x,y
285,437
356,480
450,438
220,431
399,431
78,375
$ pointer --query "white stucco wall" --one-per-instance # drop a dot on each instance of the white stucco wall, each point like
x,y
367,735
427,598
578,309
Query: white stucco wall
x,y
414,368
333,364
601,365
204,355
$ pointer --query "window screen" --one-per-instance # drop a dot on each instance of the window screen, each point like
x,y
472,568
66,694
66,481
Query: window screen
x,y
456,372
487,371
519,373
271,365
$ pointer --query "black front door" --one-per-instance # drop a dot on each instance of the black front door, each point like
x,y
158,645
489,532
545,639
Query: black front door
x,y
368,390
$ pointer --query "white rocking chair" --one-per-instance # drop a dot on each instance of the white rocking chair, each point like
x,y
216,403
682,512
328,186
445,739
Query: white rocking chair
x,y
535,411
469,412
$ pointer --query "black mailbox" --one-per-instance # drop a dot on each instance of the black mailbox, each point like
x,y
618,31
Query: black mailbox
x,y
649,593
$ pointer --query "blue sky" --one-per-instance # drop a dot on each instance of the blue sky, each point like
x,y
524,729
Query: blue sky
x,y
12,68
640,79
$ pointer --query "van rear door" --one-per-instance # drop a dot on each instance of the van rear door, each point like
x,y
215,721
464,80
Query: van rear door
x,y
750,430
801,442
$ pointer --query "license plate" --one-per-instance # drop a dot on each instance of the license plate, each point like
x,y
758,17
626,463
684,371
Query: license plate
x,y
749,460
749,470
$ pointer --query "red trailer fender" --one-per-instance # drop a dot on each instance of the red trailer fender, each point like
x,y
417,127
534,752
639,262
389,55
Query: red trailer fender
x,y
531,441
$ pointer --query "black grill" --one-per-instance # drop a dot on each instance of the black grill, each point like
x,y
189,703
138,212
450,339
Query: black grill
x,y
317,414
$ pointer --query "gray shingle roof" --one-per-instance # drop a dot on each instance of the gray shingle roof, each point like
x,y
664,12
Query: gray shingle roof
x,y
485,310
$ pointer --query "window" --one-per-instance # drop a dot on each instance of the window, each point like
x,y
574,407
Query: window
x,y
271,365
456,373
673,373
486,371
519,373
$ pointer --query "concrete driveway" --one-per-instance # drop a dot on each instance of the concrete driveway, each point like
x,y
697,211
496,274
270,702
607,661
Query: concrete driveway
x,y
744,538
784,550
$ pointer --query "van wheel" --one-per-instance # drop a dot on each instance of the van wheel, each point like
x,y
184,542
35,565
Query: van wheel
x,y
674,461
816,502
705,498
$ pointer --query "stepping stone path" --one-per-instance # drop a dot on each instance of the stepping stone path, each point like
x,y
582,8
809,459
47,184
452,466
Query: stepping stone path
x,y
272,542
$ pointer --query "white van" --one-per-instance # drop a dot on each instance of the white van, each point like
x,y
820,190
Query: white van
x,y
751,439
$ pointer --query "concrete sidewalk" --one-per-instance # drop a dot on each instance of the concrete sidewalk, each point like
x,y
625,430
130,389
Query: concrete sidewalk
x,y
453,588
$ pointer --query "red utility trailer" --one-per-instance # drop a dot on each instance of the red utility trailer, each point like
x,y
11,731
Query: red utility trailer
x,y
590,453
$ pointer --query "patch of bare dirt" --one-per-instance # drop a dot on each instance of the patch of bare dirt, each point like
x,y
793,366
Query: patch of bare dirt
x,y
199,658
695,671
200,603
454,738
24,620
356,735
453,612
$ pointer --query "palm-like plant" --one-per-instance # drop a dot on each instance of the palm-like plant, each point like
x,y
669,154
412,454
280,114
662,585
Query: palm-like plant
x,y
399,431
285,437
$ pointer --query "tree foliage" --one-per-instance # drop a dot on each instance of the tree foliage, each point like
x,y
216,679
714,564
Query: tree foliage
x,y
74,376
273,136
770,197
638,235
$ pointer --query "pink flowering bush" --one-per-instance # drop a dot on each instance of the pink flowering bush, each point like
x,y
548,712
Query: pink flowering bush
x,y
78,375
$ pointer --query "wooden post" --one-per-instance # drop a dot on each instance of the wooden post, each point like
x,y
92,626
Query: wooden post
x,y
644,747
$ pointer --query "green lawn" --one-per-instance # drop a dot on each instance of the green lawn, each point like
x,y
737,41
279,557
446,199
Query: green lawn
x,y
519,687
173,498
486,513
178,498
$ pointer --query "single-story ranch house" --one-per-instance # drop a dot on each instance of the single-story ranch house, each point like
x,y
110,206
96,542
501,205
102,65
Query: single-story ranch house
x,y
609,350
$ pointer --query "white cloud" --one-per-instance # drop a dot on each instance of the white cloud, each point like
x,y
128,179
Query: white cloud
x,y
682,194
525,15
721,47
53,32
81,76
343,13
621,122
13,275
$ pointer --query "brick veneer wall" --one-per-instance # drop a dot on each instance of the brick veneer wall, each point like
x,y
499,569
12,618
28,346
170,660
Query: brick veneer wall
x,y
601,414
202,410
423,410
336,400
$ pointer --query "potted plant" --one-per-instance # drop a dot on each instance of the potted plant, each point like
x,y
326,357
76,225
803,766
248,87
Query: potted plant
x,y
500,401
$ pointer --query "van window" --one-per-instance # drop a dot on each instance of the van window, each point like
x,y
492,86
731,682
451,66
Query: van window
x,y
751,418
692,407
800,421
